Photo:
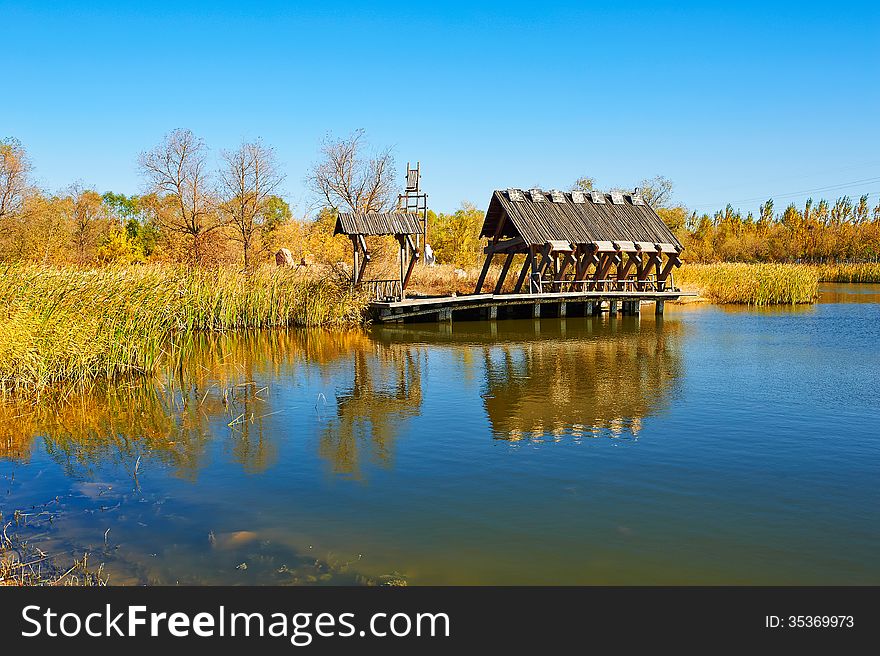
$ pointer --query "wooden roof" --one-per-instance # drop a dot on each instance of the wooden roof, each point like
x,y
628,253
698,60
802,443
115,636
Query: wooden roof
x,y
377,223
538,222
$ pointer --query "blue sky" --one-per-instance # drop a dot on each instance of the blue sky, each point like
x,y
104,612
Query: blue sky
x,y
732,103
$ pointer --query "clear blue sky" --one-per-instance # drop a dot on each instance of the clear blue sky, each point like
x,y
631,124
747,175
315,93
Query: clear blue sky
x,y
732,103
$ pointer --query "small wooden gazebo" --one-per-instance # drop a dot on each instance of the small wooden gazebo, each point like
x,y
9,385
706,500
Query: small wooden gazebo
x,y
579,242
402,225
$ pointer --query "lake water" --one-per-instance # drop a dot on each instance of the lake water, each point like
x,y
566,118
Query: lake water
x,y
712,445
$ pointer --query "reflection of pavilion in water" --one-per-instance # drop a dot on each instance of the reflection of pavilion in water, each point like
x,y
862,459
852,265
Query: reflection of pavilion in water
x,y
386,390
576,377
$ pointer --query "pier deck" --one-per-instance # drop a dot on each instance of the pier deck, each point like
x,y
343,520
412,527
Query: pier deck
x,y
500,306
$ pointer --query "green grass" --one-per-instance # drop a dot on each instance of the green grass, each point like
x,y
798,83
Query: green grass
x,y
72,325
751,284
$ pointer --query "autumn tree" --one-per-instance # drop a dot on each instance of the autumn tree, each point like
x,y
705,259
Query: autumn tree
x,y
133,213
177,170
87,219
455,237
349,179
14,169
248,184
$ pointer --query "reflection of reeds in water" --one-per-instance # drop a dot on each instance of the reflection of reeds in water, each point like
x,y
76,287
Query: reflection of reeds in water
x,y
386,390
171,417
601,384
71,325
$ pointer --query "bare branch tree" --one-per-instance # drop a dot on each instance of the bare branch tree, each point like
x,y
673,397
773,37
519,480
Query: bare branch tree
x,y
248,183
14,169
584,183
347,179
177,169
656,191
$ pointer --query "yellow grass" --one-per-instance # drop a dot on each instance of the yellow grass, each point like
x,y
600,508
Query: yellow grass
x,y
751,284
850,272
71,325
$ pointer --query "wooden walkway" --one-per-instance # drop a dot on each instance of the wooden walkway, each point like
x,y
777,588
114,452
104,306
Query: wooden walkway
x,y
503,306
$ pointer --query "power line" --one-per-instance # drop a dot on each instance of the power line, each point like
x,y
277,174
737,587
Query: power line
x,y
793,194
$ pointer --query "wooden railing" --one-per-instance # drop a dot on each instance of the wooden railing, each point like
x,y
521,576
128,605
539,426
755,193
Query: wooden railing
x,y
630,284
383,290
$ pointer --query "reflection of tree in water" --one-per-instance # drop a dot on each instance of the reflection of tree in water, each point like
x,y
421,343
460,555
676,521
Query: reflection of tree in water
x,y
596,383
387,389
214,392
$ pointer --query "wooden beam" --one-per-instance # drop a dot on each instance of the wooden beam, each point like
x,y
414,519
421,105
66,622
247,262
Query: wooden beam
x,y
566,261
501,246
645,267
499,286
355,256
535,277
523,274
499,227
633,259
672,261
402,257
412,264
478,289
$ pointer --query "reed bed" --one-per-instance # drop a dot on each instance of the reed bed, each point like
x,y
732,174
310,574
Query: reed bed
x,y
850,272
72,325
751,284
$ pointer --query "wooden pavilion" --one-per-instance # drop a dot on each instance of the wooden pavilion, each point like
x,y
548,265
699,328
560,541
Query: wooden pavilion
x,y
402,225
579,242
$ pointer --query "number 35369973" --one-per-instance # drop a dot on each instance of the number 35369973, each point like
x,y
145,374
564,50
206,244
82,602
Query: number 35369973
x,y
809,621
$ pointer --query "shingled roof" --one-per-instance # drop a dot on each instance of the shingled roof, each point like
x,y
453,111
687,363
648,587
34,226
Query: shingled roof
x,y
377,223
559,217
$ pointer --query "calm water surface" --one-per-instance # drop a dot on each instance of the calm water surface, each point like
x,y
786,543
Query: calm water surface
x,y
712,445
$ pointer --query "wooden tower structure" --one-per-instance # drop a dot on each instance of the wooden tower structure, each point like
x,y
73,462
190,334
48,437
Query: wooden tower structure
x,y
413,201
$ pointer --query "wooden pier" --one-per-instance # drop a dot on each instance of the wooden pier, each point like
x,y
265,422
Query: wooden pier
x,y
509,306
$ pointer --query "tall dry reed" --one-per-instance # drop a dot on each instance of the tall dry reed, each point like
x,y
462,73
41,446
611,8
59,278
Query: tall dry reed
x,y
751,284
71,325
850,272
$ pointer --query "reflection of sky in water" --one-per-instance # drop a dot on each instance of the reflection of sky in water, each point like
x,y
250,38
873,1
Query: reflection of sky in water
x,y
733,446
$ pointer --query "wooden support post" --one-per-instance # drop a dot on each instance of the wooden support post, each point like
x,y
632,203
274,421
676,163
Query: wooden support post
x,y
355,267
658,307
364,259
413,255
566,261
499,286
673,261
402,256
524,272
636,307
623,271
645,269
536,311
445,314
493,312
588,309
562,310
479,288
535,278
612,307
